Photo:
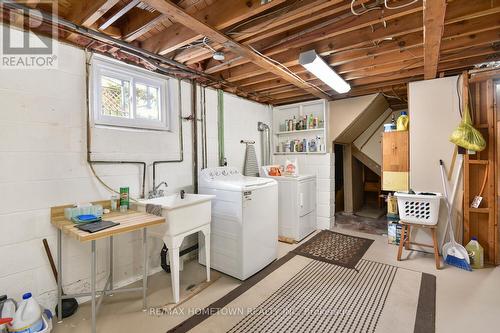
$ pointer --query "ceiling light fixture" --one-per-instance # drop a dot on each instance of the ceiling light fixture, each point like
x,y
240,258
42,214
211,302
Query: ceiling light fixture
x,y
218,55
317,66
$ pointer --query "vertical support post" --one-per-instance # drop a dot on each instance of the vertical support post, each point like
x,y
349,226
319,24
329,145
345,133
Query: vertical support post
x,y
93,273
59,274
145,268
206,235
174,271
111,264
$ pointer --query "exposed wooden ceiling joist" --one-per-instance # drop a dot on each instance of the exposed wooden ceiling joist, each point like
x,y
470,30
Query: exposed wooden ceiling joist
x,y
310,11
170,9
138,22
87,12
434,13
358,39
119,14
220,15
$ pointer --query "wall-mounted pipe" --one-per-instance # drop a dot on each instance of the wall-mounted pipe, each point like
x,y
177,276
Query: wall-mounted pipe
x,y
220,127
266,142
89,142
204,150
178,69
181,136
194,128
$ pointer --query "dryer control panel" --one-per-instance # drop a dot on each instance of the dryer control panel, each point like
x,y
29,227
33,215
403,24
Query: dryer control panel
x,y
218,173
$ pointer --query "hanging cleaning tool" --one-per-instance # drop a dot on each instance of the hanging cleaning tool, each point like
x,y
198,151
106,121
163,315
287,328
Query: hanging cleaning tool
x,y
478,198
466,136
453,253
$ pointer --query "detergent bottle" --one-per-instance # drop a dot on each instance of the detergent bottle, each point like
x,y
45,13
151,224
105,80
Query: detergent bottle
x,y
8,311
476,253
28,317
402,122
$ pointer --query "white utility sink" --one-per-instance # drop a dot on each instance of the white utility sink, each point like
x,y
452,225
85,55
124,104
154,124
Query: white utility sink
x,y
183,217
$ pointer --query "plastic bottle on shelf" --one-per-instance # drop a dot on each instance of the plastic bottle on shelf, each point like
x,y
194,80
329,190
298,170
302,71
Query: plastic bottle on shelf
x,y
402,122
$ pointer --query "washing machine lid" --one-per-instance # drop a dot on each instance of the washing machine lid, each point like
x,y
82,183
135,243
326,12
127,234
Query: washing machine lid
x,y
292,178
229,178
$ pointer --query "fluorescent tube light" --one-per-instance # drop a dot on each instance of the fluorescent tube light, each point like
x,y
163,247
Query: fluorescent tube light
x,y
317,66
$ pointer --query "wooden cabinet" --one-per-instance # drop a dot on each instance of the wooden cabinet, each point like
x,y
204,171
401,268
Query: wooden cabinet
x,y
395,161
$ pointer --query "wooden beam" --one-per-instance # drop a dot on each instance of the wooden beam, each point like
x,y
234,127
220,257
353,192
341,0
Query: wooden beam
x,y
87,12
219,15
172,10
458,30
138,22
119,14
434,12
459,13
309,11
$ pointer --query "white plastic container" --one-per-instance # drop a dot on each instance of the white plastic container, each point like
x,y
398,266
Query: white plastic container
x,y
28,317
419,208
8,311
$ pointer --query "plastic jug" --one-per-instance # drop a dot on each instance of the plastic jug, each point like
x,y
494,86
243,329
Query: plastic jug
x,y
402,122
28,317
476,253
8,311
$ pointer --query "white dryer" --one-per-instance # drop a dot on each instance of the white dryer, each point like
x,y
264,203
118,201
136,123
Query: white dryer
x,y
297,206
244,228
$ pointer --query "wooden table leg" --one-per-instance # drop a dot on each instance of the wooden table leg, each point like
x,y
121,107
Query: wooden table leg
x,y
408,233
401,241
436,250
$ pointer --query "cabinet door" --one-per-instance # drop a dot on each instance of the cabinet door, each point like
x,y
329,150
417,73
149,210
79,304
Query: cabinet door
x,y
395,152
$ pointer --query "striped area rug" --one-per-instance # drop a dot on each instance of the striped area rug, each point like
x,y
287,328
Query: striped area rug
x,y
301,294
324,298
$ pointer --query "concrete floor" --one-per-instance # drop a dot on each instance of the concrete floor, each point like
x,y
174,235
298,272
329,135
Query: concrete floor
x,y
466,301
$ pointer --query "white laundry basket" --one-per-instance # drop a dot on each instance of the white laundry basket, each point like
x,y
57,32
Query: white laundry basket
x,y
419,208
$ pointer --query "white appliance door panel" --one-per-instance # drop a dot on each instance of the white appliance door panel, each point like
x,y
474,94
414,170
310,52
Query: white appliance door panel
x,y
260,229
306,197
307,225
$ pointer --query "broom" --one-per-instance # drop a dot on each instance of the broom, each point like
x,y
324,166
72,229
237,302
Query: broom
x,y
453,253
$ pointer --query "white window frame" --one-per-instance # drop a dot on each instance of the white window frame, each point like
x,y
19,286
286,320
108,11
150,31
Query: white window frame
x,y
115,69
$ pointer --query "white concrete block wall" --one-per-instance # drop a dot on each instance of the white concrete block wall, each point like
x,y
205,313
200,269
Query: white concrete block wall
x,y
240,123
323,166
43,164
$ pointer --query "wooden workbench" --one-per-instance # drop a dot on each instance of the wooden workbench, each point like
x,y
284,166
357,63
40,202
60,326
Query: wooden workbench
x,y
130,221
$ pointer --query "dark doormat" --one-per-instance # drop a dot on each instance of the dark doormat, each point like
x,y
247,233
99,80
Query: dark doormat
x,y
335,248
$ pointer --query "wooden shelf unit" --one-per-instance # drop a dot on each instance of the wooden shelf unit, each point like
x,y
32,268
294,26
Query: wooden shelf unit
x,y
317,108
482,222
395,161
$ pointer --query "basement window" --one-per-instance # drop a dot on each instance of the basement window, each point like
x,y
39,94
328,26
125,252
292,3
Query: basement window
x,y
127,96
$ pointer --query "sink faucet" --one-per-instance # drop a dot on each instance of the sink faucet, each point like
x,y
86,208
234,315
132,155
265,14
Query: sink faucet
x,y
156,192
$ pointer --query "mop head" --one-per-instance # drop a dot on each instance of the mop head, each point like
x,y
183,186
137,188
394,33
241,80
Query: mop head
x,y
456,259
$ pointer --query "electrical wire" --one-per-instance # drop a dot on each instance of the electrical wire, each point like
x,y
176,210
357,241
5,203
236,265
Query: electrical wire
x,y
286,69
366,9
400,6
281,12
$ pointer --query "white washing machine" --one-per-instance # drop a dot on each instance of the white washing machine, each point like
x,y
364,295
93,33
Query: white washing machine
x,y
244,228
297,206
